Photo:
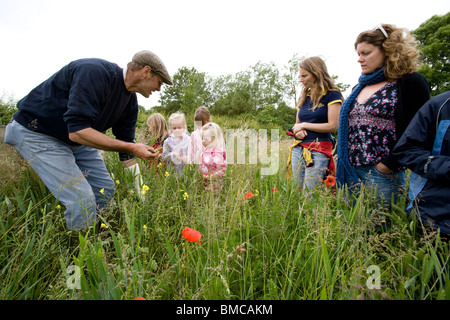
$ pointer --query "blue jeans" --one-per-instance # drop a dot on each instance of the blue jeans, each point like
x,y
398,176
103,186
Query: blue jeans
x,y
305,177
75,175
387,185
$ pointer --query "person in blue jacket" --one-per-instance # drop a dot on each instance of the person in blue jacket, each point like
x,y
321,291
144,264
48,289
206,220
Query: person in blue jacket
x,y
61,124
424,148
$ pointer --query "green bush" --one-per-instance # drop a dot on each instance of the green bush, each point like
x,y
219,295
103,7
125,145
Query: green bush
x,y
7,109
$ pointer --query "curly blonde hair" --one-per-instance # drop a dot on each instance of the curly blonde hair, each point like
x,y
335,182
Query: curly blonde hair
x,y
400,49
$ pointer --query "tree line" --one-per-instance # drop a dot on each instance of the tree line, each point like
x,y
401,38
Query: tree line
x,y
267,94
263,92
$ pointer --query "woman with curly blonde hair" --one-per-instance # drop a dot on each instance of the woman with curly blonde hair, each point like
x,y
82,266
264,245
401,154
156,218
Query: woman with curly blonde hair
x,y
399,48
388,94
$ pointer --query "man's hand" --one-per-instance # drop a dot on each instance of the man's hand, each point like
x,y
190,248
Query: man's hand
x,y
143,151
93,138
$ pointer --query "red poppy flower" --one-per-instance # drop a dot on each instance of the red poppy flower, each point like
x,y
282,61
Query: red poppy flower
x,y
274,189
330,181
248,195
139,298
191,235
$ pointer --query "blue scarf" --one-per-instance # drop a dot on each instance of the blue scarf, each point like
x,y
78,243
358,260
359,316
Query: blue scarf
x,y
345,174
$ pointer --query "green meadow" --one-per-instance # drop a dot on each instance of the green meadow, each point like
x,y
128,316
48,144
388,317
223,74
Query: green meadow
x,y
275,245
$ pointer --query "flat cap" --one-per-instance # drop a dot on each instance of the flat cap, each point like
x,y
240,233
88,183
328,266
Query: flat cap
x,y
148,58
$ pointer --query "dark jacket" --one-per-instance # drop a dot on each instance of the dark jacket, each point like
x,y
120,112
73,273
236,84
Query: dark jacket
x,y
87,93
413,92
415,151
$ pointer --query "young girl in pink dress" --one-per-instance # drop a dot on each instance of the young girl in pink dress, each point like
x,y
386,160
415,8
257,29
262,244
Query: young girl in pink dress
x,y
213,164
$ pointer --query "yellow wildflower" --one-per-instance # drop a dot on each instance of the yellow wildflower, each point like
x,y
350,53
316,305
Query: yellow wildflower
x,y
102,190
145,188
185,196
166,174
103,226
144,227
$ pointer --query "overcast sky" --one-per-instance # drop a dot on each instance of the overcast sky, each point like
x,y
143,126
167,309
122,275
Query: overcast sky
x,y
216,37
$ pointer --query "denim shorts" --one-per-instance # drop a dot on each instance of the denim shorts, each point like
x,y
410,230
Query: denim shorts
x,y
76,175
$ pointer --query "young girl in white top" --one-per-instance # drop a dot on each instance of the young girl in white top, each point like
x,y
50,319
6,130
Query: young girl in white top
x,y
175,148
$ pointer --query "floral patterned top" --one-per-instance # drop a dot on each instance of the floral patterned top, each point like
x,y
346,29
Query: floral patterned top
x,y
213,162
372,127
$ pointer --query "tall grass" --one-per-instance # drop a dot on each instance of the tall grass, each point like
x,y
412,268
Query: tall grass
x,y
276,245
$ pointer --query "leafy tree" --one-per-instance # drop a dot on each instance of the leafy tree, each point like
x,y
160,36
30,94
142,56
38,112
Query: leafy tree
x,y
7,109
189,90
261,92
235,95
237,100
291,79
249,90
340,85
265,84
282,116
433,36
219,87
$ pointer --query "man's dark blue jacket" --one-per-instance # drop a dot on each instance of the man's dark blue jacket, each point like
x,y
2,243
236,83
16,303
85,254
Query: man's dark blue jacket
x,y
87,93
414,150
